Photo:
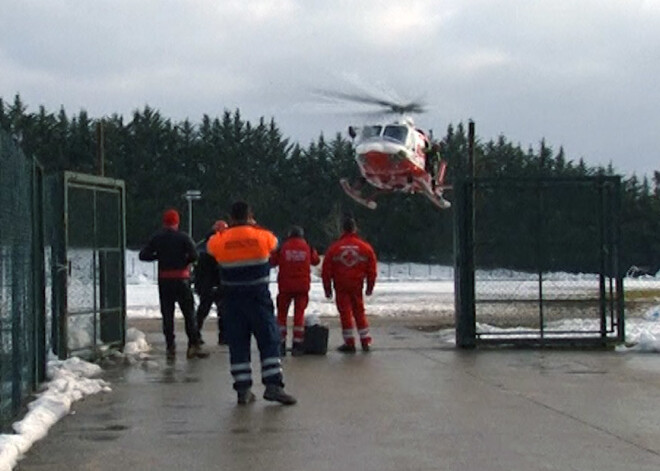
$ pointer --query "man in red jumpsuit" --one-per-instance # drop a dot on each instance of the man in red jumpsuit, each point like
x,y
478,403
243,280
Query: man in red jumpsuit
x,y
347,263
294,258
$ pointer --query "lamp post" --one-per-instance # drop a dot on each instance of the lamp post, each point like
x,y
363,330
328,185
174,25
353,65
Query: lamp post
x,y
191,195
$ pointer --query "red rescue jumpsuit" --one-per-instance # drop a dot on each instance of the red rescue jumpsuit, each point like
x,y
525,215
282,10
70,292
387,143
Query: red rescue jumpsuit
x,y
347,263
294,258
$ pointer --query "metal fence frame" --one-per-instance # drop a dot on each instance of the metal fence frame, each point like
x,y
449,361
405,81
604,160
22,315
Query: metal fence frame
x,y
106,326
610,294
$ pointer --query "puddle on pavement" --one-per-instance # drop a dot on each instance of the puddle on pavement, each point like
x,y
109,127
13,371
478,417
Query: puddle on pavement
x,y
107,433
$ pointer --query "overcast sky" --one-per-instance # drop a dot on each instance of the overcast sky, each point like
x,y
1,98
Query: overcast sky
x,y
583,74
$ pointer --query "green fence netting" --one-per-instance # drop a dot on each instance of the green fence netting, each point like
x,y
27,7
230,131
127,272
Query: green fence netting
x,y
22,356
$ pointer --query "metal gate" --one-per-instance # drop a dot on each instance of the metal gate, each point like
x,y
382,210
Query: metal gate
x,y
537,261
87,264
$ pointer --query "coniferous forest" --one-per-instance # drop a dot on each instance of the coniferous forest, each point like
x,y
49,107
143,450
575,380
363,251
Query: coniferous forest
x,y
228,158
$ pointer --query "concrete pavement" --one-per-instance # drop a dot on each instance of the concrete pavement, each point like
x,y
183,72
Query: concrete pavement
x,y
413,403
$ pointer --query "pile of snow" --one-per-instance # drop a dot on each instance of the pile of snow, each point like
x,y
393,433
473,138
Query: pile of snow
x,y
136,344
69,380
643,335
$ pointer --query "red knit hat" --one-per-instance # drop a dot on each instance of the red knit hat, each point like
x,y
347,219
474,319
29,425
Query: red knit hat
x,y
220,226
171,218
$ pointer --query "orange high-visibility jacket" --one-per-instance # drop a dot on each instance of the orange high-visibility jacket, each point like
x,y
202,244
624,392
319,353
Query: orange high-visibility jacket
x,y
242,253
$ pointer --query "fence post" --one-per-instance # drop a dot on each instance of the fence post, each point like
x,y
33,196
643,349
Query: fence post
x,y
465,318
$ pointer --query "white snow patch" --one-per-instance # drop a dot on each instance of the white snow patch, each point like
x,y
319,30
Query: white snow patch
x,y
70,380
643,335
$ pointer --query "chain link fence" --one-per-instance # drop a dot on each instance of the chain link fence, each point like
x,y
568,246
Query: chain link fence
x,y
22,350
62,280
543,257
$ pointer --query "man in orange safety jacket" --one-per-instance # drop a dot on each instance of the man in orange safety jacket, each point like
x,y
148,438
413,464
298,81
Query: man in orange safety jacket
x,y
243,252
348,262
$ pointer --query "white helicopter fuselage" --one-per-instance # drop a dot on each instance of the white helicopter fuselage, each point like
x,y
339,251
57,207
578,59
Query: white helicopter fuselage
x,y
392,156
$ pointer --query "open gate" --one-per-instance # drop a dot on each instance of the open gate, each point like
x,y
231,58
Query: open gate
x,y
537,261
87,264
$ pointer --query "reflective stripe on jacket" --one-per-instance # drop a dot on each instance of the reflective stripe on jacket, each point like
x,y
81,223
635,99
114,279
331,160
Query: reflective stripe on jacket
x,y
243,253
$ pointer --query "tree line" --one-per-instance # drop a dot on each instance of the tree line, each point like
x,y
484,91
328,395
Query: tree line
x,y
229,158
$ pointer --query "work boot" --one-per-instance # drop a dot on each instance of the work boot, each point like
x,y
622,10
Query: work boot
x,y
170,353
346,348
282,349
246,397
297,350
276,393
365,347
195,351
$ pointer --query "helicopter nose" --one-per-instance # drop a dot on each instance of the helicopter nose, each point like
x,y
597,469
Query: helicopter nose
x,y
383,147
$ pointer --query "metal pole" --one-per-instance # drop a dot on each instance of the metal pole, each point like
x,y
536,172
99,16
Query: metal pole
x,y
190,217
465,312
191,195
100,147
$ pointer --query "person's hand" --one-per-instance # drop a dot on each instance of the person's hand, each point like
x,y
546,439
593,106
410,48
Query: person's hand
x,y
369,291
328,294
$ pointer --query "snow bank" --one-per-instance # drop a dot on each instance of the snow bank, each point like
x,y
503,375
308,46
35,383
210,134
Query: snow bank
x,y
69,381
643,335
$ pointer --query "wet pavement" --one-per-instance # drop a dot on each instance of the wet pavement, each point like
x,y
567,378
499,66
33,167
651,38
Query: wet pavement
x,y
413,403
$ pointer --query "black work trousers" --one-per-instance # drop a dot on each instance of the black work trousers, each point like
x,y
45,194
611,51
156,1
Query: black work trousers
x,y
206,299
171,291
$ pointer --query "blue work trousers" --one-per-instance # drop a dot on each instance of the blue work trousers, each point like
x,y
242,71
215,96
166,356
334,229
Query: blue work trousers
x,y
249,311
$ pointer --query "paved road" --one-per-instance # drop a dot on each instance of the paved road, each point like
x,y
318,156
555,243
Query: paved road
x,y
414,403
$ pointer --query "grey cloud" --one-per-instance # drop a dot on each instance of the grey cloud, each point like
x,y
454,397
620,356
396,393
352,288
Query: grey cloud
x,y
580,74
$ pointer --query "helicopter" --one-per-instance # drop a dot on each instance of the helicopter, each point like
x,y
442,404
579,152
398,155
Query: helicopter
x,y
395,156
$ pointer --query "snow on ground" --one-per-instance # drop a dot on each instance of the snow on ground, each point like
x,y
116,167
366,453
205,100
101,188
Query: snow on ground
x,y
408,289
401,290
68,381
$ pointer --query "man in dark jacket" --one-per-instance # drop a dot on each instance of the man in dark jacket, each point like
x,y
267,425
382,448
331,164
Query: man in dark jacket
x,y
294,258
207,282
174,251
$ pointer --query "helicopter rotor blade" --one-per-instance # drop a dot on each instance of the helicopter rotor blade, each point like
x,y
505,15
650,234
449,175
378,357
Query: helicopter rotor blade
x,y
392,107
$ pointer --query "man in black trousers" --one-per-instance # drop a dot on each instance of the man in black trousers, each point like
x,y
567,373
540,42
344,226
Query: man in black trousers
x,y
206,277
174,251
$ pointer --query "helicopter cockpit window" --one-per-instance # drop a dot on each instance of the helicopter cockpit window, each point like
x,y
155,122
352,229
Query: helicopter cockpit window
x,y
397,133
371,131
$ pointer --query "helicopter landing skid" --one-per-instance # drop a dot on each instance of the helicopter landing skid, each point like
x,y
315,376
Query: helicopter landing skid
x,y
438,200
356,194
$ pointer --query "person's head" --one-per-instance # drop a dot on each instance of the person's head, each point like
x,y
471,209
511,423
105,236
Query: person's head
x,y
240,212
296,231
348,225
171,218
220,225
